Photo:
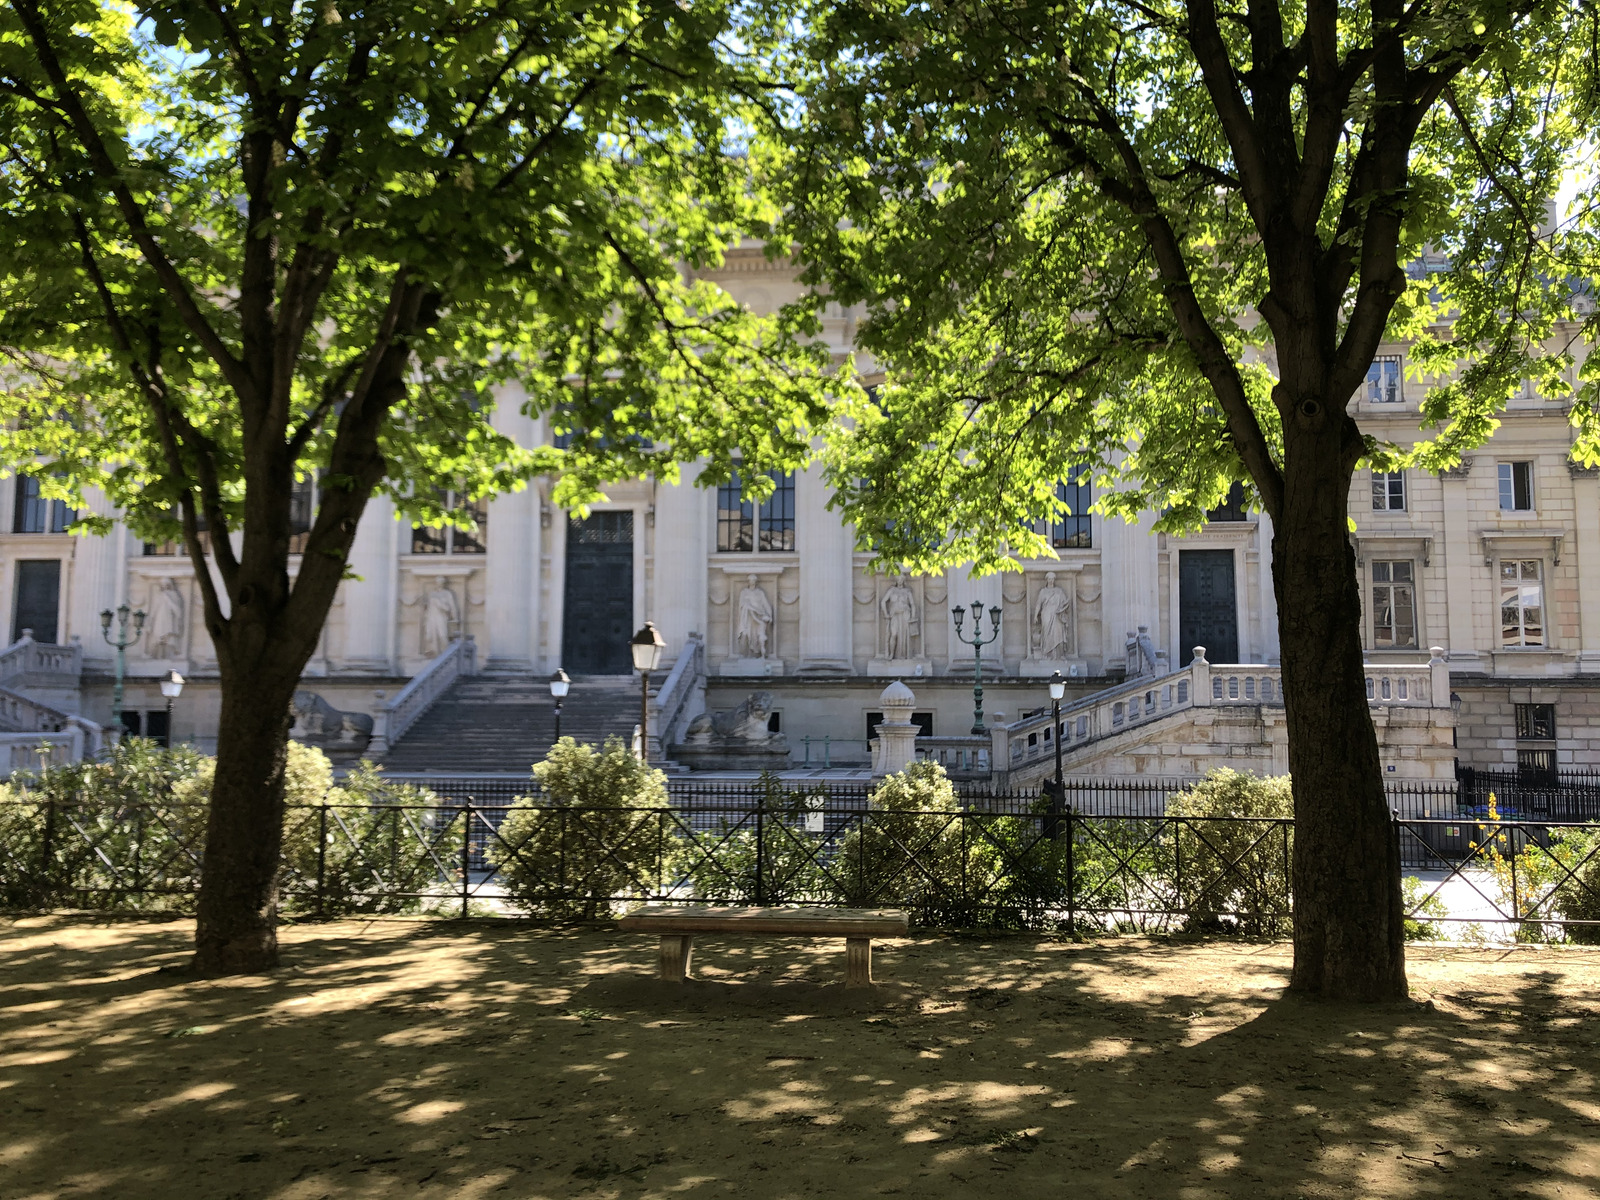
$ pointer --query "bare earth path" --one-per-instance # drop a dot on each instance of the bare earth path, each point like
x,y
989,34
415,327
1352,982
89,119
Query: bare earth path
x,y
426,1059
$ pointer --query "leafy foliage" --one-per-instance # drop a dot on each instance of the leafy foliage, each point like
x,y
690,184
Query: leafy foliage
x,y
1231,851
776,859
128,832
595,837
1076,232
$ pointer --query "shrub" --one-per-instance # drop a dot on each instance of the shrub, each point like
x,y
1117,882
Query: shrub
x,y
1577,887
120,832
597,837
1233,868
379,842
911,851
723,863
1420,902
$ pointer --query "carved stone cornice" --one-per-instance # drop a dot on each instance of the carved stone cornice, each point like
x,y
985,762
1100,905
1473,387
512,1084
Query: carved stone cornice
x,y
1461,470
1579,471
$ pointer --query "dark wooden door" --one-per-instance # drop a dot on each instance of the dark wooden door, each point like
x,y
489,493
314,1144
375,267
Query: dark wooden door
x,y
1208,610
38,598
598,621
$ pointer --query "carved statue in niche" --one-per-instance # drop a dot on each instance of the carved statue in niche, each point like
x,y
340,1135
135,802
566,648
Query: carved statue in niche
x,y
755,620
440,614
899,609
164,632
1052,611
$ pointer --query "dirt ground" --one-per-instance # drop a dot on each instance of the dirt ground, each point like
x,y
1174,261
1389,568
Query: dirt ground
x,y
430,1059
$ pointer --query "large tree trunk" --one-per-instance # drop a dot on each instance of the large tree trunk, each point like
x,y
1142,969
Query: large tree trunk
x,y
1348,917
236,929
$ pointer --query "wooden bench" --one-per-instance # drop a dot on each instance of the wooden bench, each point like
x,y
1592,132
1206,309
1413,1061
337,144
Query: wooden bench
x,y
858,926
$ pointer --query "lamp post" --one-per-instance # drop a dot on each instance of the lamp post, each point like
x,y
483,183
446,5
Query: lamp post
x,y
1058,789
171,688
122,642
977,641
647,646
559,686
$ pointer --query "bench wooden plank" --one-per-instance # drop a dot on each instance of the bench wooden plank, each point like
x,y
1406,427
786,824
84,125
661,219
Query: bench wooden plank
x,y
820,922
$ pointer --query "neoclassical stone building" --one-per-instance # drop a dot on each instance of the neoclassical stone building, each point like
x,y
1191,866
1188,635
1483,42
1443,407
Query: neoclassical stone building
x,y
1497,563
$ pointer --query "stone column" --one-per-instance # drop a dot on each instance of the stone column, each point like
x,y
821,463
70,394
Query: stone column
x,y
511,591
1586,546
823,541
683,519
369,604
1129,596
1463,569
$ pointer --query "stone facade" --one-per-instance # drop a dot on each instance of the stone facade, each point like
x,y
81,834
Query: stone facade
x,y
1432,558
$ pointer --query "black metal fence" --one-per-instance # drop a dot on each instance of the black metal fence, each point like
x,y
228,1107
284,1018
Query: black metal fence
x,y
999,860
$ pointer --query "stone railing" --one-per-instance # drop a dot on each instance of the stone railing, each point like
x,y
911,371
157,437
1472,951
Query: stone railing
x,y
26,657
19,714
680,698
457,660
961,757
79,740
1201,684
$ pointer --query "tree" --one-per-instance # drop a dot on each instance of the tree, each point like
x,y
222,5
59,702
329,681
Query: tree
x,y
249,242
1170,237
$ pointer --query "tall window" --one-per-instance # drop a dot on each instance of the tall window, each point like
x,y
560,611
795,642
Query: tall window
x,y
1516,487
302,511
35,514
425,539
1536,749
1234,506
1521,602
741,526
1394,605
1383,380
1071,531
1388,491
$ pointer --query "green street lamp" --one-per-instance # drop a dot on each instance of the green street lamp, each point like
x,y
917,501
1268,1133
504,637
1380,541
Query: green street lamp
x,y
977,641
122,642
646,646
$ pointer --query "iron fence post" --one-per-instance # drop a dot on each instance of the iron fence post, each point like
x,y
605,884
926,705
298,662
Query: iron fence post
x,y
138,850
46,850
761,806
322,861
1072,879
466,857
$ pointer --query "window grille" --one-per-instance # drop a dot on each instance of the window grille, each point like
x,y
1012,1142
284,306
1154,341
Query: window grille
x,y
1388,491
1522,602
1516,487
1536,722
1394,611
1072,531
1383,380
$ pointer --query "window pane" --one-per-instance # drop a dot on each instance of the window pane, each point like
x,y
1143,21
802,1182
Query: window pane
x,y
735,518
1405,617
1522,480
474,541
29,515
427,540
1380,572
1402,572
1071,531
1530,568
1507,498
777,514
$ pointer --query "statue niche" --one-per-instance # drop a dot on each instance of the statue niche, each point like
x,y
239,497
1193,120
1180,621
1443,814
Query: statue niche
x,y
736,738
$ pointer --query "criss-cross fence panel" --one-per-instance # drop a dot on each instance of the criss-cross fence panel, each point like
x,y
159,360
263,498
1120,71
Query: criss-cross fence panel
x,y
996,860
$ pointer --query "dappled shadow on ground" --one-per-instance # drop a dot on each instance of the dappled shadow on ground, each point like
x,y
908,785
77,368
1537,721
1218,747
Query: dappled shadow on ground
x,y
394,1058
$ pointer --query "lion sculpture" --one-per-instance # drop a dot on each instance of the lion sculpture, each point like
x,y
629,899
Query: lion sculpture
x,y
746,724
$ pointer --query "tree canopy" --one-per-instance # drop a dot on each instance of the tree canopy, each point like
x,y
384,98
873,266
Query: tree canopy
x,y
1072,228
219,219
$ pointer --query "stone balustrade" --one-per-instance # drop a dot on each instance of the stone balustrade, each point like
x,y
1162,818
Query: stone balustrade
x,y
458,659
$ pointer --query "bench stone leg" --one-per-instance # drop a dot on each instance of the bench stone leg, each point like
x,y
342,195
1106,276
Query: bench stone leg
x,y
857,962
676,950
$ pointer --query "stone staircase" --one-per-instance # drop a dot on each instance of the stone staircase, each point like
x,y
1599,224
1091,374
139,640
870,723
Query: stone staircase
x,y
492,723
